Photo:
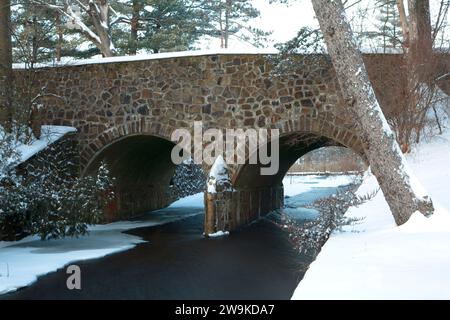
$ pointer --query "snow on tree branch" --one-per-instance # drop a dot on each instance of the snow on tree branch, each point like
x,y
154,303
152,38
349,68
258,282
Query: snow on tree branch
x,y
98,13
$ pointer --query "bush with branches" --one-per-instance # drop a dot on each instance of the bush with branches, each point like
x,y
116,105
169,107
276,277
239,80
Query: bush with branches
x,y
309,236
47,201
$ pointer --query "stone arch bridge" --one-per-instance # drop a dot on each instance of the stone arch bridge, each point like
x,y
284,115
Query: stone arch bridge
x,y
125,113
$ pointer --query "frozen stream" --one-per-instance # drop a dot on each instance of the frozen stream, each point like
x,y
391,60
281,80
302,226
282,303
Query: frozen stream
x,y
174,261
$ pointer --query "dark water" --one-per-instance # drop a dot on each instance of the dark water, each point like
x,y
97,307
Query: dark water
x,y
297,206
177,262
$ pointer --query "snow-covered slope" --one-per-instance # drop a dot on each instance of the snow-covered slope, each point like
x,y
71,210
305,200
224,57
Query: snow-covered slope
x,y
381,260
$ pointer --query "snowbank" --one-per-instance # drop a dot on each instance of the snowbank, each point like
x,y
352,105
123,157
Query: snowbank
x,y
381,260
22,262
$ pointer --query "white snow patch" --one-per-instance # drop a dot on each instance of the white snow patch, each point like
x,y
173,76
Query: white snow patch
x,y
149,8
49,135
194,201
381,260
218,234
218,173
294,185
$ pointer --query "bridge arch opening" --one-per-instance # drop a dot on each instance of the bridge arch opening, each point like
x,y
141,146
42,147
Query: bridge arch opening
x,y
292,146
329,159
143,171
255,195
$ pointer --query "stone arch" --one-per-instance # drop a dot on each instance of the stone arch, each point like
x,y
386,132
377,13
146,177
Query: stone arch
x,y
254,195
292,147
324,130
139,158
116,133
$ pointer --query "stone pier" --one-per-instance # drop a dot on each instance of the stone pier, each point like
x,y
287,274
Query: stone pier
x,y
229,210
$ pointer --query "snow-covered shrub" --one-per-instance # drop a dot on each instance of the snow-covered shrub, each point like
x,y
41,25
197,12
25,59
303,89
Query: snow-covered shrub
x,y
65,207
48,200
39,206
9,156
13,205
309,236
437,117
13,209
188,179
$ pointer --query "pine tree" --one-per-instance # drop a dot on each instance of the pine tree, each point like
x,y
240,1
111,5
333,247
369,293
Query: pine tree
x,y
231,18
172,26
89,18
13,197
35,33
188,179
388,35
158,25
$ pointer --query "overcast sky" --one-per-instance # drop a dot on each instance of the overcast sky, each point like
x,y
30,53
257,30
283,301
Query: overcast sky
x,y
286,20
283,20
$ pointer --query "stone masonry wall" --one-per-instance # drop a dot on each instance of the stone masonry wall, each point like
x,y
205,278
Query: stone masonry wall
x,y
109,101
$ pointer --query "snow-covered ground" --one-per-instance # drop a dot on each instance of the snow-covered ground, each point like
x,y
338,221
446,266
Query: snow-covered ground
x,y
294,185
381,260
21,262
301,191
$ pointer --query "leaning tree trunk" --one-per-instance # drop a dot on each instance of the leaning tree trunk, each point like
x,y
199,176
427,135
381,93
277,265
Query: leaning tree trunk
x,y
5,65
386,160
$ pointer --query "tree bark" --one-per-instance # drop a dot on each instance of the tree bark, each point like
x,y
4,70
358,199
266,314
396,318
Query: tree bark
x,y
404,23
420,38
222,30
134,27
6,75
386,160
60,36
227,21
419,61
99,13
34,42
